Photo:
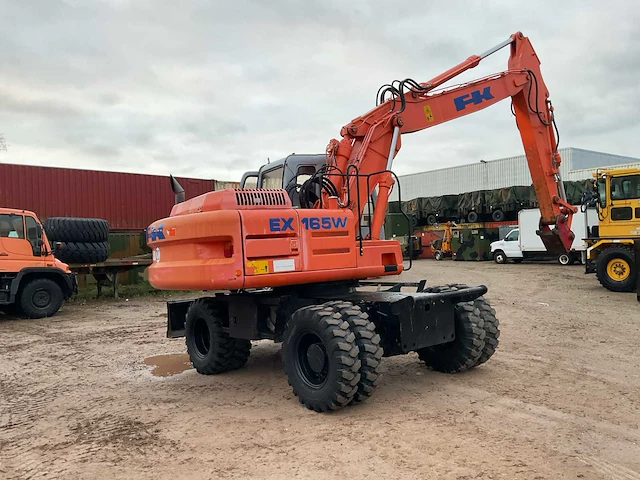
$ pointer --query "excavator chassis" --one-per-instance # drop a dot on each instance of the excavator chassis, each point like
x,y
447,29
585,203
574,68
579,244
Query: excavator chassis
x,y
321,324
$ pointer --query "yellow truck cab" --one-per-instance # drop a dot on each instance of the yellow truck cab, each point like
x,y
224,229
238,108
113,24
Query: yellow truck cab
x,y
610,252
32,281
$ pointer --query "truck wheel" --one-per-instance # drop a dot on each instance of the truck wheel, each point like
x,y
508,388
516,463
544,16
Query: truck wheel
x,y
438,255
472,217
500,257
321,358
616,269
368,342
41,297
497,215
72,229
477,336
431,220
564,259
210,349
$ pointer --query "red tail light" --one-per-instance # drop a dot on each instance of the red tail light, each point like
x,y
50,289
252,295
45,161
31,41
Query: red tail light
x,y
228,249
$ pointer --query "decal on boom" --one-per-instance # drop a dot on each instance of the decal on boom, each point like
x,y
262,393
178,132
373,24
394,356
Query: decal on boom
x,y
476,97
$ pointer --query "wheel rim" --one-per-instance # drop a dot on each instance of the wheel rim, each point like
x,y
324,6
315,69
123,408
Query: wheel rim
x,y
201,337
312,361
564,259
500,258
618,269
41,298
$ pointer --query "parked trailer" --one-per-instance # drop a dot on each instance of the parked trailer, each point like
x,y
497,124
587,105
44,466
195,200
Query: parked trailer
x,y
106,273
523,242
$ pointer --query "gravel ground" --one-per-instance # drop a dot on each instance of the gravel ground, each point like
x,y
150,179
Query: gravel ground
x,y
99,392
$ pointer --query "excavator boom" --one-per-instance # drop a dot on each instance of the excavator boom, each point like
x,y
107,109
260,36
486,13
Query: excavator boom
x,y
360,162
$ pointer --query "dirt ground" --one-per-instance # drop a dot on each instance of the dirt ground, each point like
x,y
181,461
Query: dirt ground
x,y
560,398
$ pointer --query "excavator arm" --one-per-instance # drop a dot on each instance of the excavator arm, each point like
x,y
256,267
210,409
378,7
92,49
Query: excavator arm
x,y
360,162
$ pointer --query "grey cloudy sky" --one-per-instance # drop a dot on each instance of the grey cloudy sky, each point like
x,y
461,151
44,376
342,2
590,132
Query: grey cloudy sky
x,y
212,88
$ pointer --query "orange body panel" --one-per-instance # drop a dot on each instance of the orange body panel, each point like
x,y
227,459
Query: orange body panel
x,y
266,247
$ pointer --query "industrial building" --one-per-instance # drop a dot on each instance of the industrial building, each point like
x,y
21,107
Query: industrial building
x,y
577,164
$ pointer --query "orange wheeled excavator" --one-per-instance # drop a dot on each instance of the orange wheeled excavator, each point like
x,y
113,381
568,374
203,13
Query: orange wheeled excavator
x,y
290,264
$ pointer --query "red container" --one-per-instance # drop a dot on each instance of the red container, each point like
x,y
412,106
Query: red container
x,y
126,200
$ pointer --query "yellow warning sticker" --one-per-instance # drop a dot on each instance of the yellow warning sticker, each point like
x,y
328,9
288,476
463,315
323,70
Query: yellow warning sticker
x,y
428,113
259,267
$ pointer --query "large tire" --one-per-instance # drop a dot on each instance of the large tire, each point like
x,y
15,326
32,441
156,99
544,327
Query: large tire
x,y
500,257
368,342
321,358
73,252
477,336
497,216
40,297
211,350
432,220
472,217
616,269
81,230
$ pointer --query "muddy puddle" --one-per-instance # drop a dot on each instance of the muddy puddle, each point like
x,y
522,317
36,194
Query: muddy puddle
x,y
167,365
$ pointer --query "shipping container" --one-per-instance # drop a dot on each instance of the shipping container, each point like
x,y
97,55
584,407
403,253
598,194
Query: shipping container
x,y
473,244
577,164
126,200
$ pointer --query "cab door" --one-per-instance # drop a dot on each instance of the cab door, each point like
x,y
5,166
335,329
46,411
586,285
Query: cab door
x,y
18,244
512,245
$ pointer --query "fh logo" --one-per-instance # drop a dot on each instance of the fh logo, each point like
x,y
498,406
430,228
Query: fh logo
x,y
154,233
159,233
280,224
476,97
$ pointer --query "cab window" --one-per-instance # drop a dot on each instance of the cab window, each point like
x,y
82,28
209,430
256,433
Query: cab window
x,y
304,174
625,187
11,226
32,234
602,192
512,236
251,182
273,178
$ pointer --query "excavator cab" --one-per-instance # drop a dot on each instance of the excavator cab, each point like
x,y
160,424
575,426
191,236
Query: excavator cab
x,y
298,175
294,173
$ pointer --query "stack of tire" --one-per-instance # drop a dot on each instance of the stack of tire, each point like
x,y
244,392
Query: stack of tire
x,y
78,240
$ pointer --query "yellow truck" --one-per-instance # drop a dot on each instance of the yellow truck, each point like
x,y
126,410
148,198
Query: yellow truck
x,y
610,246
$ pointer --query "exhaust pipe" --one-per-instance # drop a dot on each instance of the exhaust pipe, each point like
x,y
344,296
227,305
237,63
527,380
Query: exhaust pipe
x,y
177,189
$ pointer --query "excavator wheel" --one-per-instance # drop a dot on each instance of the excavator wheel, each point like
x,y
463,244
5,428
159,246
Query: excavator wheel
x,y
211,350
439,255
477,336
616,269
368,342
321,358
